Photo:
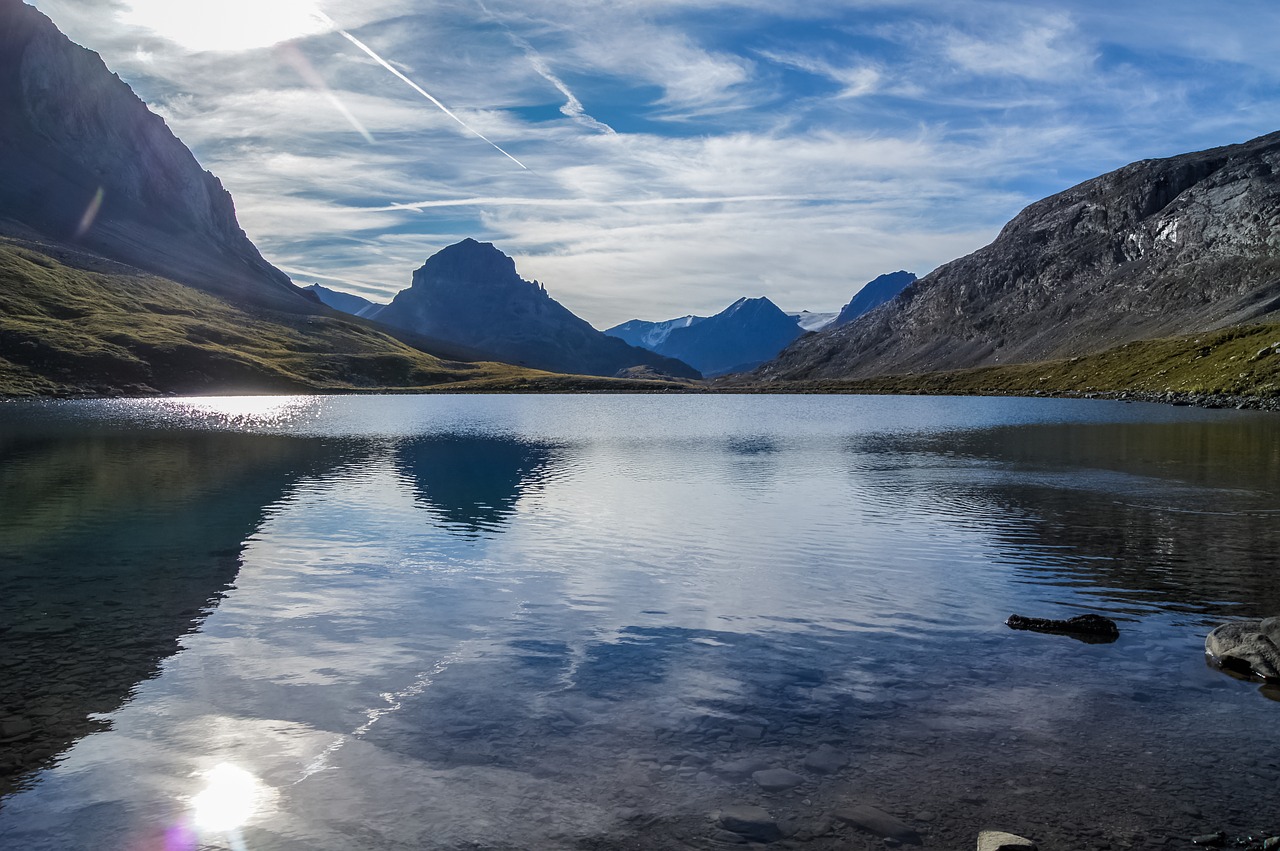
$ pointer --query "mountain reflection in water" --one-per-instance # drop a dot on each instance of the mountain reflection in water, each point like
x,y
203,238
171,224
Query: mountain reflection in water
x,y
471,484
113,547
586,621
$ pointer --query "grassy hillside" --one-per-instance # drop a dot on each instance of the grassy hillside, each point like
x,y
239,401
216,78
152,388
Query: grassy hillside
x,y
1234,362
71,331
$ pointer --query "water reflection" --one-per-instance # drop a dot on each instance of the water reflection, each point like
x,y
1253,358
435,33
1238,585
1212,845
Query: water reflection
x,y
471,484
112,548
493,622
1152,517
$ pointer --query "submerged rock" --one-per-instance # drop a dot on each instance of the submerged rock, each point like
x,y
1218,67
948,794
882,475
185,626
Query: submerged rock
x,y
1094,629
1251,648
776,779
880,823
825,760
751,822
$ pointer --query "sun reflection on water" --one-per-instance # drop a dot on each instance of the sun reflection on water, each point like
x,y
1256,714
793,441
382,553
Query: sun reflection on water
x,y
230,798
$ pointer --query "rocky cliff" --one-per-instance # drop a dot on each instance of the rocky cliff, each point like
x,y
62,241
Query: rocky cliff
x,y
469,294
1157,248
83,161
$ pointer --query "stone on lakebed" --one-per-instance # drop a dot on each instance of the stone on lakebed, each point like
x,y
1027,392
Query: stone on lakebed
x,y
1251,648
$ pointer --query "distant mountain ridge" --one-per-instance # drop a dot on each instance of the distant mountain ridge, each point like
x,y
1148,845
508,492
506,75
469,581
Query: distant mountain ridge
x,y
470,294
742,336
346,302
1154,249
650,335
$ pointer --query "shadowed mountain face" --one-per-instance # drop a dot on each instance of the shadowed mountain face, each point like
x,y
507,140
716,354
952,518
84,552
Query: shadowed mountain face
x,y
882,289
83,161
740,337
470,294
1157,248
112,548
471,485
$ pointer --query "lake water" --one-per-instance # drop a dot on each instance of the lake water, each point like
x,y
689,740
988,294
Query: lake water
x,y
585,621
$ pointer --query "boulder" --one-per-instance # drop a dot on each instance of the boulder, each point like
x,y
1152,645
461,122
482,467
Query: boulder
x,y
777,779
1093,629
826,760
751,822
995,840
880,823
1251,648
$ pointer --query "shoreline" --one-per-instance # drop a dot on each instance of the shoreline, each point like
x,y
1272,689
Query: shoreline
x,y
872,387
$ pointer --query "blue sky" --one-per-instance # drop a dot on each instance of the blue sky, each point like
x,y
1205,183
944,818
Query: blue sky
x,y
680,153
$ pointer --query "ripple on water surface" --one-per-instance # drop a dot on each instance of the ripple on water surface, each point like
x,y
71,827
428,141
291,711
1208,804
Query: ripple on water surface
x,y
586,621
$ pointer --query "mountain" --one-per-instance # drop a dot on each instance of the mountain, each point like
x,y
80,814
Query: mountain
x,y
1157,248
650,335
346,302
742,336
123,269
882,289
83,161
470,294
809,321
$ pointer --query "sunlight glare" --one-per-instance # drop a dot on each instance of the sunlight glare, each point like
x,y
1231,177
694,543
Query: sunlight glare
x,y
228,24
228,801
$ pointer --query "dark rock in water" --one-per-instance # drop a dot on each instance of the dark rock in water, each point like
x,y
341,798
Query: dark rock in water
x,y
777,779
1093,629
751,822
880,823
1251,648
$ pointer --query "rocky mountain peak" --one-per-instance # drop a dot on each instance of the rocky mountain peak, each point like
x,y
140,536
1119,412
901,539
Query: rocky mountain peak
x,y
471,294
469,263
1157,248
83,160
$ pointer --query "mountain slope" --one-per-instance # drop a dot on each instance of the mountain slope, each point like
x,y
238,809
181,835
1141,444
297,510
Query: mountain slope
x,y
346,302
1157,248
650,335
83,161
66,330
742,336
471,295
882,289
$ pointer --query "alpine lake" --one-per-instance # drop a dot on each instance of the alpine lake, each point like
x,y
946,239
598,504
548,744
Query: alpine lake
x,y
605,622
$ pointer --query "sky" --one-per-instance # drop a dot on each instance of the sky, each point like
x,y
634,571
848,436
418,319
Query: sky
x,y
653,158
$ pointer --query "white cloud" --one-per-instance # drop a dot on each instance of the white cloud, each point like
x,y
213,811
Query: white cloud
x,y
674,166
1050,49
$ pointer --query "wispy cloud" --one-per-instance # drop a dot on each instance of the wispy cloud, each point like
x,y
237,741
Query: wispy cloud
x,y
687,152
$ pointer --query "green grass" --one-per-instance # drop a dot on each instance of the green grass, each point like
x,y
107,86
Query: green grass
x,y
65,331
1240,361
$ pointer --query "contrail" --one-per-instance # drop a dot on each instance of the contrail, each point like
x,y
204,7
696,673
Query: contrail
x,y
385,64
587,202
